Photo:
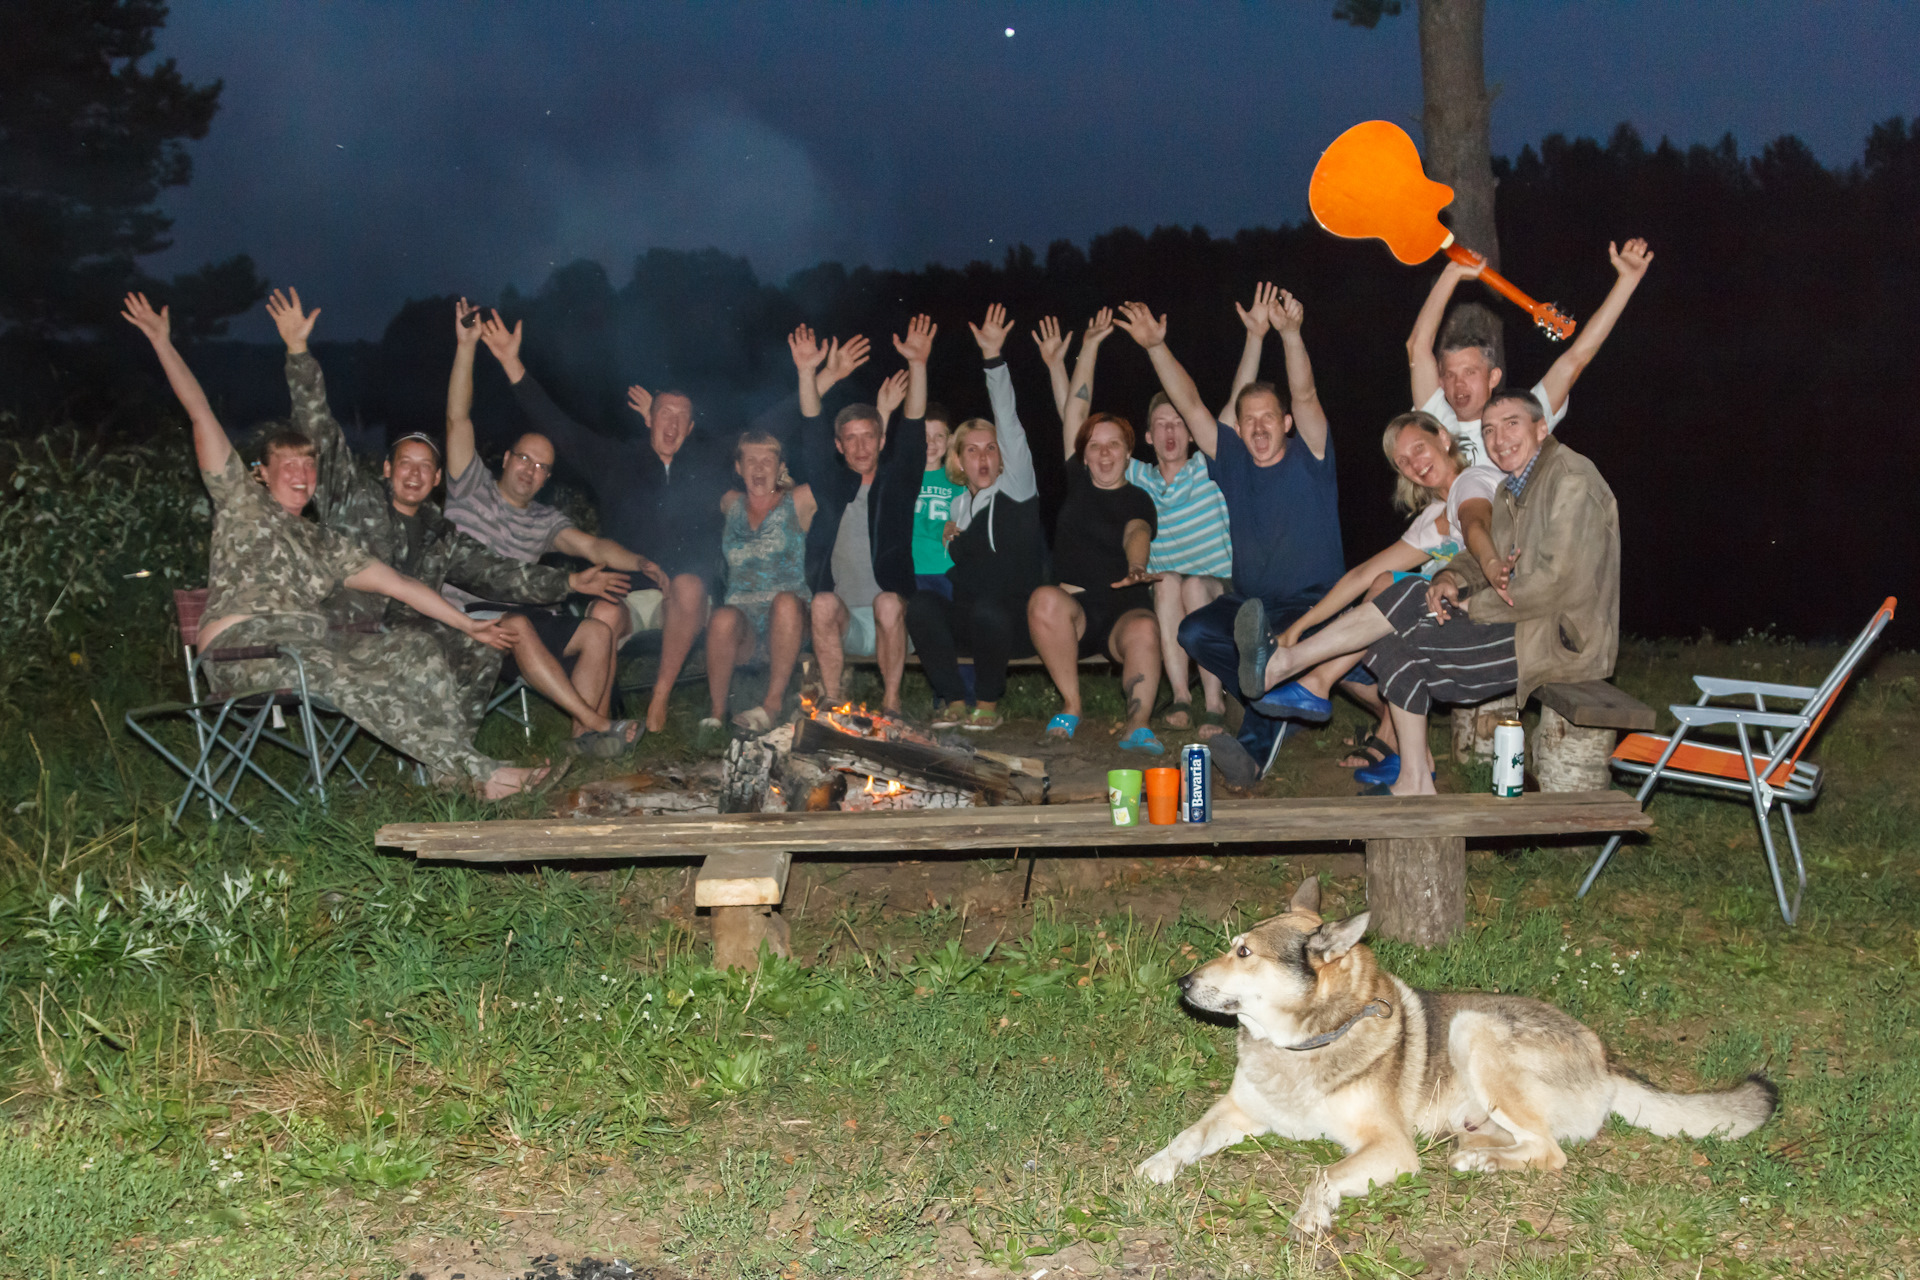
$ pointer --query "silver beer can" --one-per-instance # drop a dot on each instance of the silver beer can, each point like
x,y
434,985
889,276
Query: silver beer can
x,y
1509,758
1196,783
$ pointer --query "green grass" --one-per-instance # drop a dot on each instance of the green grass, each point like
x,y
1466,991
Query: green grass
x,y
290,1054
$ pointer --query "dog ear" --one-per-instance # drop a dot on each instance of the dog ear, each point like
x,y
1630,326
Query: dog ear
x,y
1331,941
1307,896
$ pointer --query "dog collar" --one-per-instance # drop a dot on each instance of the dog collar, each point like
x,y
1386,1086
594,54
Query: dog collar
x,y
1375,1008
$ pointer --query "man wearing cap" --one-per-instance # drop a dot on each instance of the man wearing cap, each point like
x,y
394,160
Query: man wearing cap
x,y
399,524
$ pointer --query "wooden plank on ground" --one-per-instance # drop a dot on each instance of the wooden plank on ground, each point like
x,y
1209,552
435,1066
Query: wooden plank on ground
x,y
1596,704
914,831
742,878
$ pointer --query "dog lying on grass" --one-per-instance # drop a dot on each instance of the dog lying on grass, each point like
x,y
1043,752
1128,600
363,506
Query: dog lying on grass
x,y
1332,1046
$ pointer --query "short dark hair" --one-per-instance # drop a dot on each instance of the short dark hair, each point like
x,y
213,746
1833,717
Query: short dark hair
x,y
937,412
1261,387
855,413
1471,326
1527,398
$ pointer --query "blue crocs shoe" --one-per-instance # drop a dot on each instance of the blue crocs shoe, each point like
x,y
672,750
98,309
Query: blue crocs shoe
x,y
1293,701
1387,772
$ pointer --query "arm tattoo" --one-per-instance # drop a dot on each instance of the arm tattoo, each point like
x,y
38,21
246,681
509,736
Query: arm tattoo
x,y
1084,393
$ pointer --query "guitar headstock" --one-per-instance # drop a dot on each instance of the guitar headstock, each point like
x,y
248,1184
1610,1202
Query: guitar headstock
x,y
1557,326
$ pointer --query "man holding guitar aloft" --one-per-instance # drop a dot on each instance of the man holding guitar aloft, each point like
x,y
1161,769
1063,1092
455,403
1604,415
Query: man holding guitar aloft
x,y
1454,383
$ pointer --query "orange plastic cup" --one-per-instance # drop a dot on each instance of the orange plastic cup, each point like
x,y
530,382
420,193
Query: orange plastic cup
x,y
1162,792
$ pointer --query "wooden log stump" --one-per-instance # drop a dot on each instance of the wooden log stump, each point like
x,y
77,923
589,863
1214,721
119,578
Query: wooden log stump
x,y
1417,889
739,931
1567,757
1473,727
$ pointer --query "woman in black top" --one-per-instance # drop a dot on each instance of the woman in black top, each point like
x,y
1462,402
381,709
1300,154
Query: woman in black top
x,y
1103,602
998,554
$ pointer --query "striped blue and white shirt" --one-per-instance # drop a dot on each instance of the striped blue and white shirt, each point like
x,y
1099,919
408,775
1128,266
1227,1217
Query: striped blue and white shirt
x,y
1193,537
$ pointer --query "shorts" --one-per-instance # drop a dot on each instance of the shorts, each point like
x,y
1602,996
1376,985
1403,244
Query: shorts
x,y
555,632
938,583
646,609
1103,607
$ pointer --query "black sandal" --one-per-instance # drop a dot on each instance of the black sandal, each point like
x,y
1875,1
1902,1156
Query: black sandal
x,y
1371,747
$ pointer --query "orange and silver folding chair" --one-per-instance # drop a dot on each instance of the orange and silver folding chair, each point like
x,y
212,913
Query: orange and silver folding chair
x,y
229,730
1778,776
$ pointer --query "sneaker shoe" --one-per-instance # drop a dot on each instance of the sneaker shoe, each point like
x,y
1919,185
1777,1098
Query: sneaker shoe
x,y
1254,639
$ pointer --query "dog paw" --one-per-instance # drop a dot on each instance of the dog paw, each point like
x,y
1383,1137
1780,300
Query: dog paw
x,y
1476,1160
1315,1215
1160,1168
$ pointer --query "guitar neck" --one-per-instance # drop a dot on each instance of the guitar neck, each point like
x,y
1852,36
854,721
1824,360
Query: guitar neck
x,y
1557,326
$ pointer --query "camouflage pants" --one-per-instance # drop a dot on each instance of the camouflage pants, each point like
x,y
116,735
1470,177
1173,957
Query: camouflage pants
x,y
475,668
396,685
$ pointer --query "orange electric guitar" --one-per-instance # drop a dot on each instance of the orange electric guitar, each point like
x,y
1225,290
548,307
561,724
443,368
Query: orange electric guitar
x,y
1369,183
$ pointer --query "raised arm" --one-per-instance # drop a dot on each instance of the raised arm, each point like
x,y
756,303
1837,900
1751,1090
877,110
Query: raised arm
x,y
1631,263
807,354
211,448
842,359
1053,354
1309,419
1423,365
466,340
892,394
601,460
1258,319
916,350
1139,322
1017,479
339,478
1080,397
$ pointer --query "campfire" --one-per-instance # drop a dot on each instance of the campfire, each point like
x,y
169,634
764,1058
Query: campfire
x,y
855,759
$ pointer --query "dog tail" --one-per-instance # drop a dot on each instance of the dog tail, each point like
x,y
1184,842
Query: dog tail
x,y
1732,1114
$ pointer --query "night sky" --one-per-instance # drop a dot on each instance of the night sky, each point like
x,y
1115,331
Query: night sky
x,y
372,152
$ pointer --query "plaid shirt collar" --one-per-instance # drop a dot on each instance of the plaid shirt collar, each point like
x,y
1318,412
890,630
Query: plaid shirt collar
x,y
1517,484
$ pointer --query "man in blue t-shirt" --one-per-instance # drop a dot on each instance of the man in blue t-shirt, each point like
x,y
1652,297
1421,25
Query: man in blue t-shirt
x,y
1282,506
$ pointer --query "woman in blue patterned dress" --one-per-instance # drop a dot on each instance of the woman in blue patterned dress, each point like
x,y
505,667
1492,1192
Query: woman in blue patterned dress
x,y
765,611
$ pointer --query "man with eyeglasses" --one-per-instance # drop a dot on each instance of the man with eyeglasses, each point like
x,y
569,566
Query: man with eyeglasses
x,y
503,515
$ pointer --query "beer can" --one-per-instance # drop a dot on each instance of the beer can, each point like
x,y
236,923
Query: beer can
x,y
1509,758
1196,783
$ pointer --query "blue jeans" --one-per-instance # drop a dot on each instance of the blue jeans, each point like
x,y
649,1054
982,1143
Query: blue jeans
x,y
1207,636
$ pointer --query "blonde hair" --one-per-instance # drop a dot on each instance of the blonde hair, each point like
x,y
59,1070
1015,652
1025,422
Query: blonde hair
x,y
1408,496
763,439
958,441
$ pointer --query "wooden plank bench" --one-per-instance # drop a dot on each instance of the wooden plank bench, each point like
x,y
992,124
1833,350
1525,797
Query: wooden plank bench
x,y
1415,845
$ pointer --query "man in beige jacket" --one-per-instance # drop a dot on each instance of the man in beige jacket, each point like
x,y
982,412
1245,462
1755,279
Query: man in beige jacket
x,y
1553,616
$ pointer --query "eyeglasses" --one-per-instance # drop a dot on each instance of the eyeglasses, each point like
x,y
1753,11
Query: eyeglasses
x,y
544,468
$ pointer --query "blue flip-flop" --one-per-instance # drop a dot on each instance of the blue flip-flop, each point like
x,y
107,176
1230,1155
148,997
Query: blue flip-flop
x,y
1062,722
1294,701
1142,740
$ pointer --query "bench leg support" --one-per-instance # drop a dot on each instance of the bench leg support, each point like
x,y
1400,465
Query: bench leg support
x,y
1417,889
1567,757
739,931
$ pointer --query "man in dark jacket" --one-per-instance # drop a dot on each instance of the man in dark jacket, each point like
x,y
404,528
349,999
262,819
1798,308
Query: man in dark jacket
x,y
659,496
866,480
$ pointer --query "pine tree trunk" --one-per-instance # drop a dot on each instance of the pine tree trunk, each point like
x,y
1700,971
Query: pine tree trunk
x,y
1458,148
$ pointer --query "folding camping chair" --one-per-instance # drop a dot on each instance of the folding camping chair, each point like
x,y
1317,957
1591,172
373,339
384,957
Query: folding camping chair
x,y
228,731
502,702
1778,777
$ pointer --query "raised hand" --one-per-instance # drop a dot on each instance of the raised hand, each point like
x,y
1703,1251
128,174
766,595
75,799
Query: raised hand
x,y
1463,270
1137,319
607,584
843,359
1287,313
1053,347
502,341
919,343
893,392
466,322
806,349
1259,317
992,333
640,400
1099,329
157,325
295,326
1631,260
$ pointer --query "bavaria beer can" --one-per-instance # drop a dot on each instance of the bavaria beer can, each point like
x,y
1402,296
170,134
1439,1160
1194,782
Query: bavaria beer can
x,y
1196,783
1509,758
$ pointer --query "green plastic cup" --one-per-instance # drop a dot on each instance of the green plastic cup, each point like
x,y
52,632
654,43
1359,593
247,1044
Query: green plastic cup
x,y
1123,796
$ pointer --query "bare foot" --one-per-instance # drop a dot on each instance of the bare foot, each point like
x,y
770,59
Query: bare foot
x,y
510,781
1180,717
1412,782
